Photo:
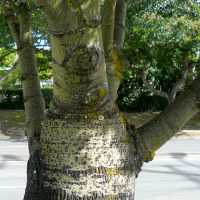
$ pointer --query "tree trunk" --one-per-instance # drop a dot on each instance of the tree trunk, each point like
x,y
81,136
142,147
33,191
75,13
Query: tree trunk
x,y
33,101
20,27
85,150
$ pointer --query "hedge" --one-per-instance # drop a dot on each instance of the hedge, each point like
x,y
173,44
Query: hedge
x,y
13,98
143,103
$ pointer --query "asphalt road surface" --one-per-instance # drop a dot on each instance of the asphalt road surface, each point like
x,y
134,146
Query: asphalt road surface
x,y
169,179
12,180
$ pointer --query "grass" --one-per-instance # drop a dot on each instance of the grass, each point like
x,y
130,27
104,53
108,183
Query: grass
x,y
14,120
139,119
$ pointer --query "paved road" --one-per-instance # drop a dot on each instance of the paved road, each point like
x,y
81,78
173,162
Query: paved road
x,y
173,174
14,148
12,180
181,147
169,179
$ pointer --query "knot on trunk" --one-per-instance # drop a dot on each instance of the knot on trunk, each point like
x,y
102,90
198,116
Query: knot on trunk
x,y
83,59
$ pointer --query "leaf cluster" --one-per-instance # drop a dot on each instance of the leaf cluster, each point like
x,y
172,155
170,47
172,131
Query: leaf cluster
x,y
165,31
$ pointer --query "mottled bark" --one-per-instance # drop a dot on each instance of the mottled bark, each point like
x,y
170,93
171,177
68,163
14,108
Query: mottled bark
x,y
118,39
33,100
120,17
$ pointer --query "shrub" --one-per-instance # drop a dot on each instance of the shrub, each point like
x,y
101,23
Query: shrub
x,y
13,98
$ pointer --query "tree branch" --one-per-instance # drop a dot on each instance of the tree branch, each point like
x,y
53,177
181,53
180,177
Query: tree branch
x,y
113,34
145,81
159,130
7,54
108,28
180,82
16,63
191,65
152,89
113,68
22,33
119,31
11,21
120,17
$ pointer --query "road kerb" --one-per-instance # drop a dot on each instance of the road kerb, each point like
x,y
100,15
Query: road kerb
x,y
14,157
177,155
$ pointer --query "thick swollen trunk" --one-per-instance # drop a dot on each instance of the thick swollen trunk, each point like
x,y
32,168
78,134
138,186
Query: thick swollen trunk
x,y
85,152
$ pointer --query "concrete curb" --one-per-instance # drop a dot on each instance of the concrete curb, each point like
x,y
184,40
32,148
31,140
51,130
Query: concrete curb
x,y
185,137
177,155
13,137
14,157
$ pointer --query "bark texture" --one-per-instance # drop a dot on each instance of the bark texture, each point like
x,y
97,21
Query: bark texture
x,y
113,74
120,17
33,100
86,150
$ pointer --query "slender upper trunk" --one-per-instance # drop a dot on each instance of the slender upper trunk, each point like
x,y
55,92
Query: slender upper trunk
x,y
107,32
33,100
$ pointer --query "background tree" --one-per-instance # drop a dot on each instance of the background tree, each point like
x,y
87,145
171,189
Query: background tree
x,y
162,44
